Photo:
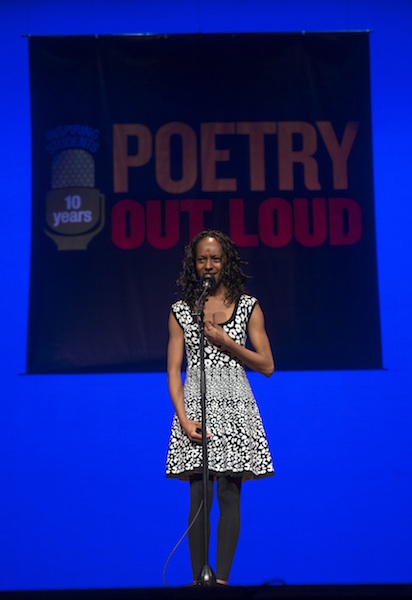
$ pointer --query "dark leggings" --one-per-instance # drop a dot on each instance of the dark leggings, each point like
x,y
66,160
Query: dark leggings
x,y
228,495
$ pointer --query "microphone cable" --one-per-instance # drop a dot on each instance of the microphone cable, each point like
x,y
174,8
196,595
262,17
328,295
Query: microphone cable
x,y
179,542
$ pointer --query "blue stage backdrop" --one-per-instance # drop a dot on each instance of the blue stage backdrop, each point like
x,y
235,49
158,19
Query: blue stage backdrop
x,y
148,139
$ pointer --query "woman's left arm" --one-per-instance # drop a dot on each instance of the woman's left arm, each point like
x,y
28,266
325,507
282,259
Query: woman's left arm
x,y
260,358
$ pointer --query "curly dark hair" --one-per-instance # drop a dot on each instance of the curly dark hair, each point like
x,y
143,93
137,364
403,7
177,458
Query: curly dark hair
x,y
232,276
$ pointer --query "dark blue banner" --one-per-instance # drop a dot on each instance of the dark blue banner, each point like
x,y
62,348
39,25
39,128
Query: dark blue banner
x,y
140,142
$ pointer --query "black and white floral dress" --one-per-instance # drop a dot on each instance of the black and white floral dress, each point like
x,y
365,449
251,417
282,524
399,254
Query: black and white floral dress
x,y
238,446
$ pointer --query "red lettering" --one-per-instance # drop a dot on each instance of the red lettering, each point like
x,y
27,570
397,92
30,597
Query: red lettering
x,y
128,224
279,222
310,221
237,225
196,210
156,224
275,222
345,221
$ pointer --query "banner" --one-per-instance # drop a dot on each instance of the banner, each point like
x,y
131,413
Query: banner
x,y
140,142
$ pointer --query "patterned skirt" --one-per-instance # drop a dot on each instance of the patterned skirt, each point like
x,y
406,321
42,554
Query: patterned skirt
x,y
238,446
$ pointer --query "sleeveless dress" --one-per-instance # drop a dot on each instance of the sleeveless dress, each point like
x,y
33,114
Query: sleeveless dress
x,y
238,446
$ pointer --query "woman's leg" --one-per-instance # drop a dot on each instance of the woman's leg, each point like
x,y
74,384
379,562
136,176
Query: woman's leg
x,y
228,493
196,531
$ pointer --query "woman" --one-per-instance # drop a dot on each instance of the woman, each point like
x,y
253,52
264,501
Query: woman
x,y
237,445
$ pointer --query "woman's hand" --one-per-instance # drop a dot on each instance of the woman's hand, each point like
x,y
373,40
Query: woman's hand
x,y
216,334
193,430
260,358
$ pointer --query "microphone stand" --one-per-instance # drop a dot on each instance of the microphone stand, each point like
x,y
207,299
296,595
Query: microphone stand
x,y
206,576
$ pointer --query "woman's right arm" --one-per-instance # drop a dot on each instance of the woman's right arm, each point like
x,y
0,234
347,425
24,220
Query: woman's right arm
x,y
175,350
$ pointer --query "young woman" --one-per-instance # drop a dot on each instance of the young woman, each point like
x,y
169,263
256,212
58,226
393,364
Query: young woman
x,y
237,445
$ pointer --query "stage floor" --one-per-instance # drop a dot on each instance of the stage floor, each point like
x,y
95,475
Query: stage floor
x,y
278,592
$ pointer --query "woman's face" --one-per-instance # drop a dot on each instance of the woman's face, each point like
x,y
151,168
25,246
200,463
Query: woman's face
x,y
209,258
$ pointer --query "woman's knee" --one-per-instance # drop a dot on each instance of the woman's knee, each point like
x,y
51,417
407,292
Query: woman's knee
x,y
228,492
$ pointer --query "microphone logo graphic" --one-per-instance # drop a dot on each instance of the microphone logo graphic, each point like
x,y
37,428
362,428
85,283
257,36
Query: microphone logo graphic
x,y
75,209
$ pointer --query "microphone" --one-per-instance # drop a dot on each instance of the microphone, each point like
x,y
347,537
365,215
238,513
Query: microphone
x,y
208,284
